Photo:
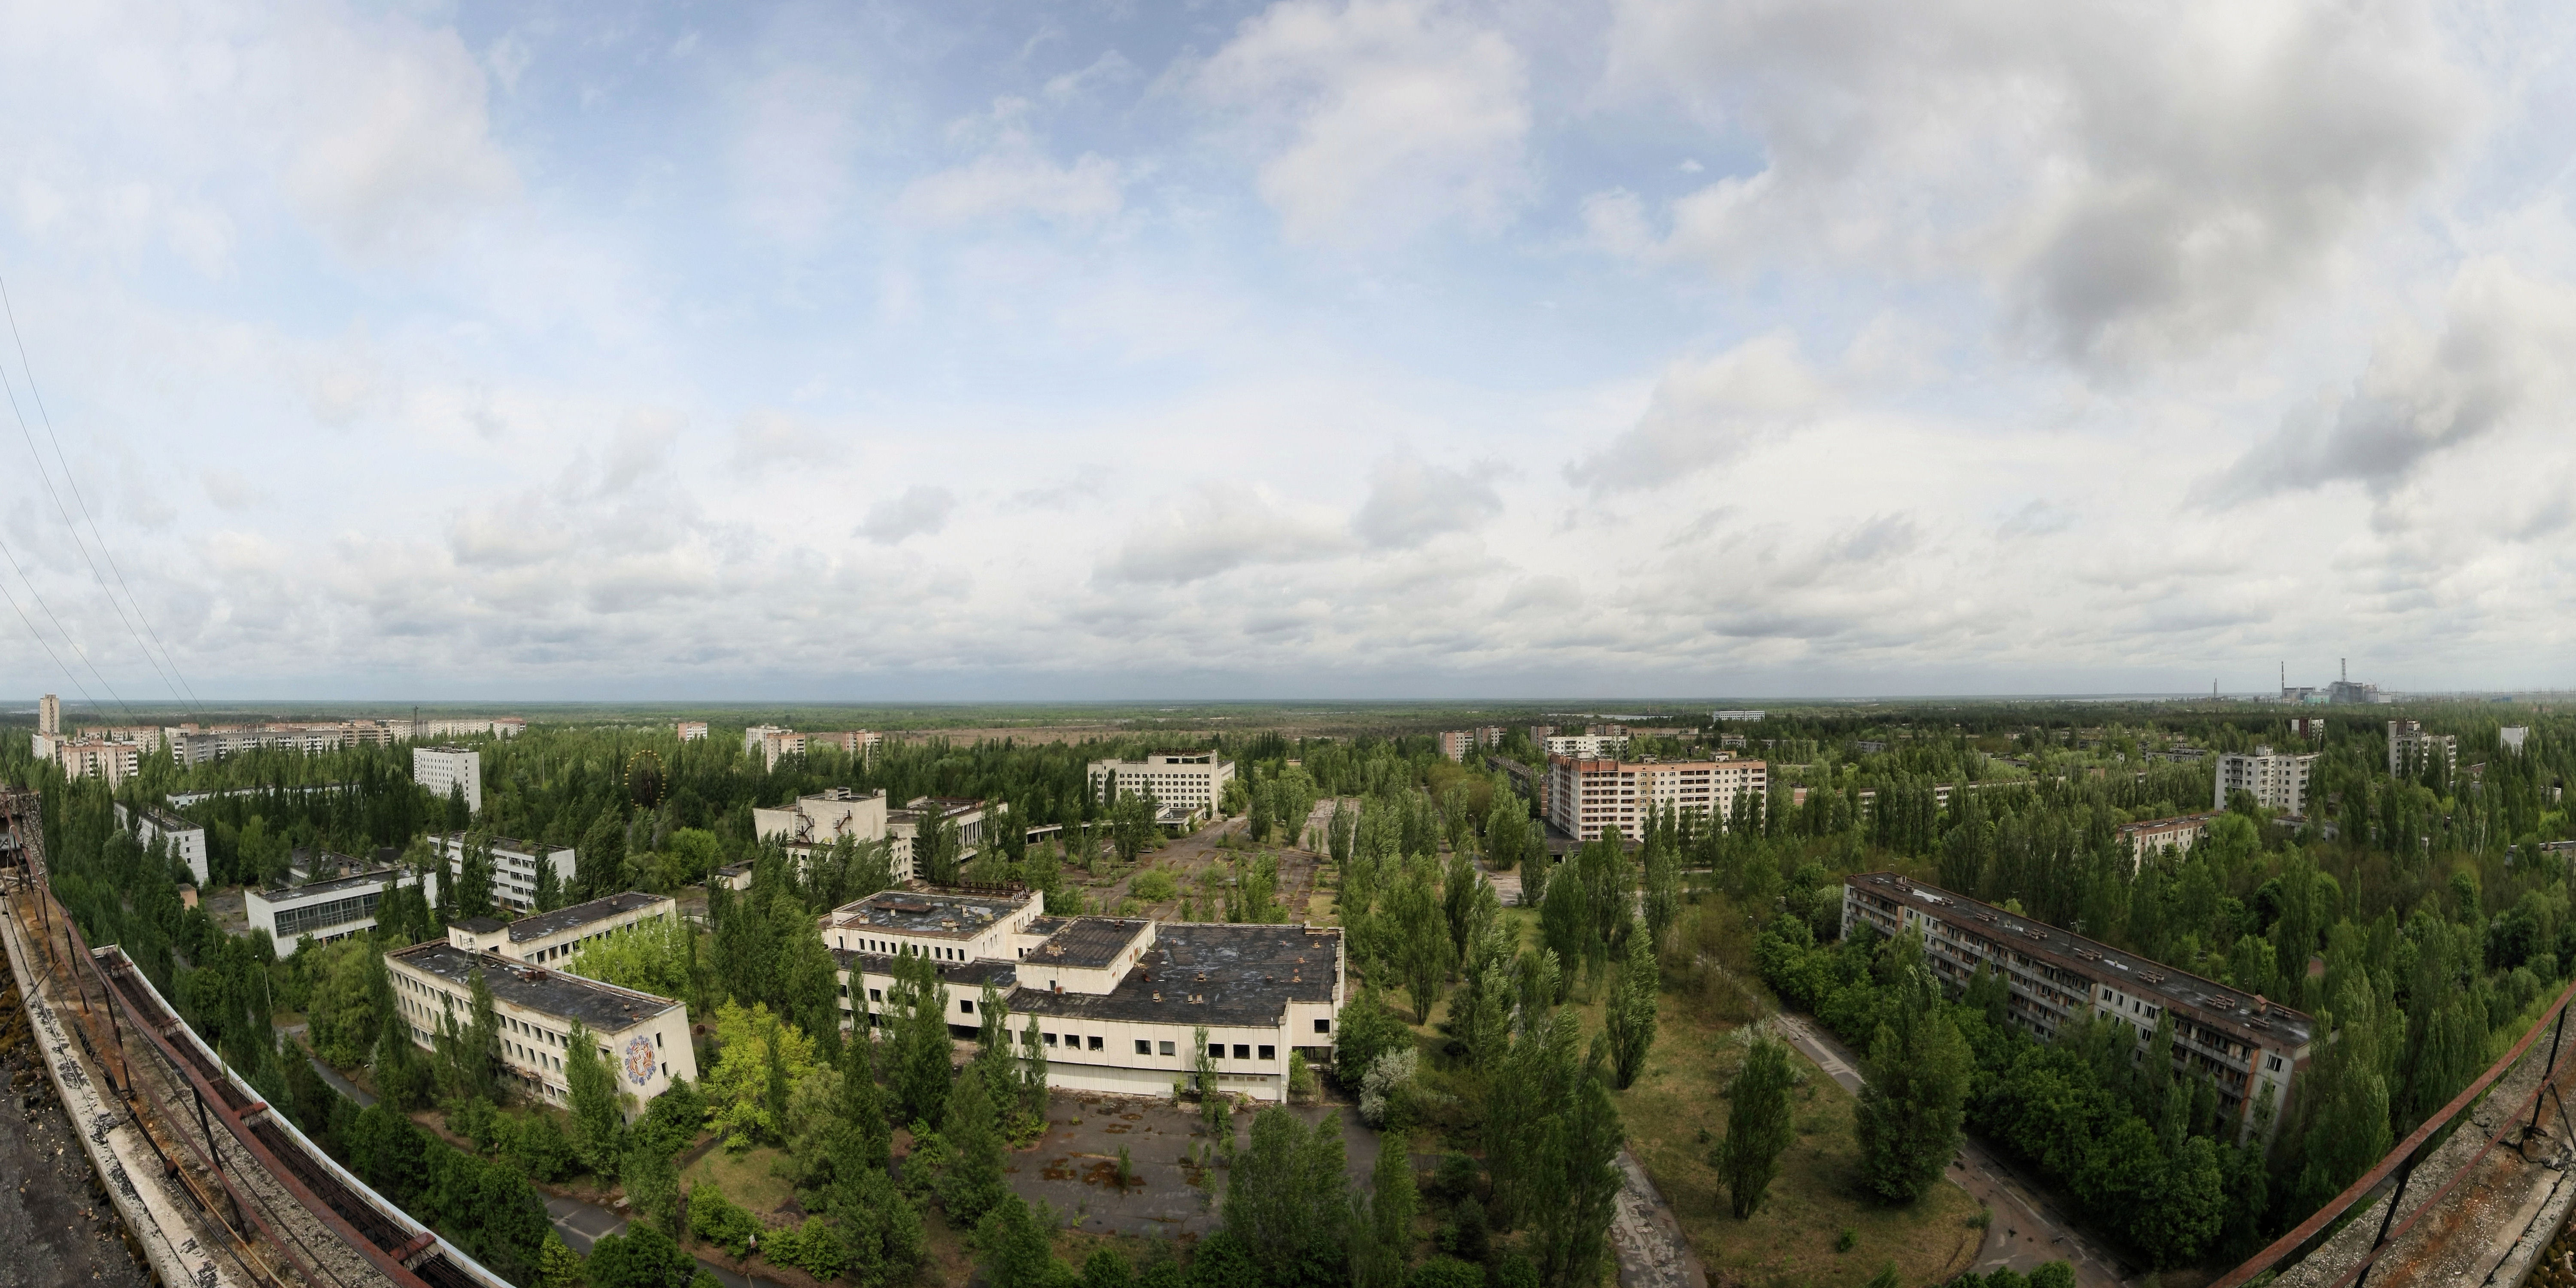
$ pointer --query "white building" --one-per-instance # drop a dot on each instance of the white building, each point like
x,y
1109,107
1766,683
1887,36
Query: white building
x,y
49,725
2410,748
326,910
1118,1001
692,730
822,818
2150,837
645,1037
452,727
98,758
2278,782
444,769
964,814
550,937
1187,784
1586,746
773,744
186,840
514,867
1586,795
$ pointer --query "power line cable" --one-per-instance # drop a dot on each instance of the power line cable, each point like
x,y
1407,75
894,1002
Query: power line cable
x,y
41,641
74,529
74,644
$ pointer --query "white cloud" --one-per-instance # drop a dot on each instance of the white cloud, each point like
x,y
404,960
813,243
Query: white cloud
x,y
401,147
1215,530
1707,413
919,512
1410,501
1381,116
1011,182
797,129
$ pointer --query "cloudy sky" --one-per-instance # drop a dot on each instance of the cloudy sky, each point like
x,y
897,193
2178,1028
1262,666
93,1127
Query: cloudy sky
x,y
1312,348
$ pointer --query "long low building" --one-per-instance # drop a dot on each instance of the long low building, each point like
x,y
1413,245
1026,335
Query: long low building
x,y
326,910
555,936
1118,1000
646,1037
2244,1043
2174,836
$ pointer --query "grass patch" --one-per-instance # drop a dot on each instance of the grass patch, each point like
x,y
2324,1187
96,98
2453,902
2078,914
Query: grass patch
x,y
748,1178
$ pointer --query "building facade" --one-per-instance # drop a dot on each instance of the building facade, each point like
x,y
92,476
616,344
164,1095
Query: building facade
x,y
1118,1001
186,840
2251,1050
2278,781
692,730
645,1038
2148,838
327,910
773,743
98,758
823,817
1586,795
2410,748
514,867
1187,784
446,769
551,937
1586,746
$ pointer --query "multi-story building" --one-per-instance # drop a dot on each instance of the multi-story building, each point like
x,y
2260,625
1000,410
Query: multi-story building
x,y
1456,743
968,816
773,744
693,730
2308,728
2278,781
823,818
98,758
448,769
645,1038
49,726
1586,795
2250,1049
2147,838
514,867
1586,746
465,727
327,910
1187,784
1738,714
1118,1001
186,840
2410,748
550,937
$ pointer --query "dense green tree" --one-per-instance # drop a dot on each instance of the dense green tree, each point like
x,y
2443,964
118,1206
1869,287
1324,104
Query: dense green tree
x,y
597,1106
1630,1015
1288,1201
1759,1125
1918,1074
973,1182
918,1063
1382,1234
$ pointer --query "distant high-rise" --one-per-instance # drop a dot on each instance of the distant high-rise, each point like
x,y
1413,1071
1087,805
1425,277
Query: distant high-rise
x,y
2277,782
447,769
49,715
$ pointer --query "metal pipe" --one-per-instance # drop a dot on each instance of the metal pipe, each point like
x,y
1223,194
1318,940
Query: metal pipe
x,y
2404,1175
2550,1068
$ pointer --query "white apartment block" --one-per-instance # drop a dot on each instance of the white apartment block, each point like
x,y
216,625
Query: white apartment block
x,y
1587,746
514,867
468,727
1118,1001
97,758
692,730
966,815
645,1037
1587,795
551,937
2410,748
2148,838
823,818
1187,784
2250,1049
186,840
444,769
773,744
2278,782
327,910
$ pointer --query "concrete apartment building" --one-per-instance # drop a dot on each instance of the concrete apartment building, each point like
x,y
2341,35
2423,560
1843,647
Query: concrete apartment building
x,y
646,1038
445,769
692,730
2245,1045
327,910
1117,1000
186,840
1457,743
828,817
2410,748
1585,795
1187,784
2278,781
454,727
98,758
1586,746
2148,838
773,744
514,867
550,937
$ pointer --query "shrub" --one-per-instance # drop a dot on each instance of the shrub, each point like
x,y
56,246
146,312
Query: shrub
x,y
1154,886
721,1221
1386,1090
1446,1272
811,1247
539,1148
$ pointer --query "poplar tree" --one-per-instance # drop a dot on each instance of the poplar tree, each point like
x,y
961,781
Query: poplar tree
x,y
918,1001
1916,1095
1759,1125
1382,1236
598,1119
1630,1016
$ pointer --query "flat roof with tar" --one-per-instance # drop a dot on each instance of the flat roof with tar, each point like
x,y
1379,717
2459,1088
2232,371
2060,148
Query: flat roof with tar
x,y
480,925
908,912
604,1007
375,880
2212,1002
1088,941
580,914
1242,975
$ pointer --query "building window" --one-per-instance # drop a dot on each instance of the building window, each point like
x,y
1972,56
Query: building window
x,y
966,1004
876,995
1096,1043
1144,1047
1242,1050
1269,1053
1050,1038
1323,1026
1167,1048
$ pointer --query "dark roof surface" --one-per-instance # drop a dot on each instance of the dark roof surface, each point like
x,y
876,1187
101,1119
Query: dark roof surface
x,y
481,925
580,914
1088,941
1242,975
916,913
338,886
606,1009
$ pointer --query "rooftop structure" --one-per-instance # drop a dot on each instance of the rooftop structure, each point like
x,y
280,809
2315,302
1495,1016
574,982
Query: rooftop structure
x,y
646,1037
2248,1047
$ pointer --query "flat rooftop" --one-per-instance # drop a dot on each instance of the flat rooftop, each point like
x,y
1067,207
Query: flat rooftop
x,y
581,914
336,887
1088,941
510,845
1241,975
606,1008
481,925
976,974
960,916
2222,1005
